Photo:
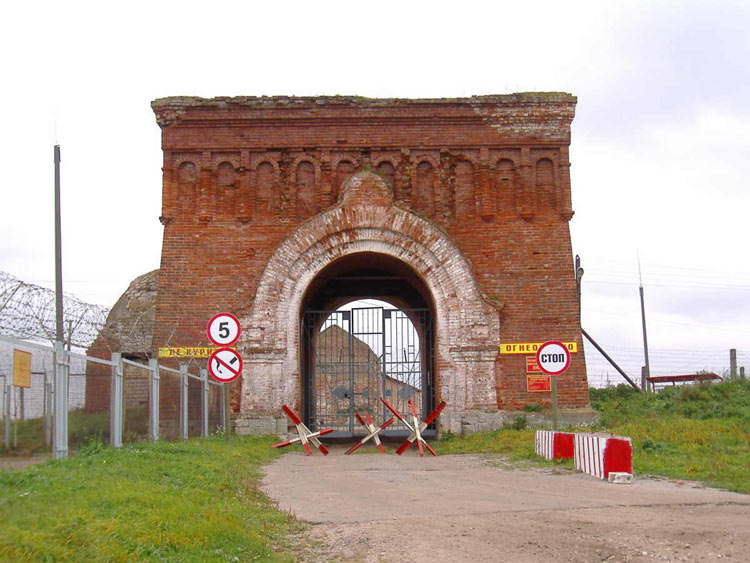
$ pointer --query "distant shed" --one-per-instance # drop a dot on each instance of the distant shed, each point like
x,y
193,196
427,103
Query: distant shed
x,y
674,379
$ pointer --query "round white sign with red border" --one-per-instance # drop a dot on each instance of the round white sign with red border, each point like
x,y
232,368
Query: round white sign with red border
x,y
553,357
223,329
225,365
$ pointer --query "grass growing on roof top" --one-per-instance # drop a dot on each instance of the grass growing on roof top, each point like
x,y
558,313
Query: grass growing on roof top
x,y
187,501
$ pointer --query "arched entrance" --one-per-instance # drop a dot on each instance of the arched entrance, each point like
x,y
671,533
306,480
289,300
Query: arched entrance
x,y
367,225
366,333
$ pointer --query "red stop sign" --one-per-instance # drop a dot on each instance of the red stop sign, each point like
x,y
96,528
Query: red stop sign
x,y
553,357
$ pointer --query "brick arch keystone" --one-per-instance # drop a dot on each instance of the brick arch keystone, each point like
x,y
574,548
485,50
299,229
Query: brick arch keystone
x,y
366,220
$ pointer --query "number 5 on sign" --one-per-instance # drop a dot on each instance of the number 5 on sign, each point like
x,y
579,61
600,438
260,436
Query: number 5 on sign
x,y
223,329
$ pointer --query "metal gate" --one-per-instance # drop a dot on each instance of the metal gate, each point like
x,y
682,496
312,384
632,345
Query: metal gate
x,y
353,358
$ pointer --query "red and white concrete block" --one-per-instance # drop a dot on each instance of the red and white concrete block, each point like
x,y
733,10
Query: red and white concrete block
x,y
605,456
554,445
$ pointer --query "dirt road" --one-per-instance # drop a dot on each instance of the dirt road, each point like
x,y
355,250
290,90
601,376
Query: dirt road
x,y
479,508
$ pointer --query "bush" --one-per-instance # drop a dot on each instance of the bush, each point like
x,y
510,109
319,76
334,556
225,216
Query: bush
x,y
519,423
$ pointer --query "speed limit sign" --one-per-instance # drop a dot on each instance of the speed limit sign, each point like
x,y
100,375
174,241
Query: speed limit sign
x,y
223,329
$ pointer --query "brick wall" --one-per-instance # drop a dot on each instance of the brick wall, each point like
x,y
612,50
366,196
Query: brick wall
x,y
472,194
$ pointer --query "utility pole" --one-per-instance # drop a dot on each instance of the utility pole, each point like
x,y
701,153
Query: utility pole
x,y
647,369
58,254
60,443
733,364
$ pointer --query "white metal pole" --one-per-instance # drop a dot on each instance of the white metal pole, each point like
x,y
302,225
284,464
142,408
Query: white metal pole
x,y
115,411
60,445
154,400
184,402
204,402
6,416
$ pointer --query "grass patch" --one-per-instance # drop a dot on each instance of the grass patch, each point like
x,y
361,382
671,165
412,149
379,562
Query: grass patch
x,y
83,428
187,501
697,433
515,444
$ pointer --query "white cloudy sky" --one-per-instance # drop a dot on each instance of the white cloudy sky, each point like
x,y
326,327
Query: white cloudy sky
x,y
660,146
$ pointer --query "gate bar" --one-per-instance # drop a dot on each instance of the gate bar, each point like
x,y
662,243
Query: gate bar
x,y
611,361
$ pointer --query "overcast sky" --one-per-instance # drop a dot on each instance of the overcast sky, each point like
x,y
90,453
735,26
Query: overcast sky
x,y
660,143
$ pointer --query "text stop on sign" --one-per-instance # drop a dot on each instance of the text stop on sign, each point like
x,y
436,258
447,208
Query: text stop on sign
x,y
553,357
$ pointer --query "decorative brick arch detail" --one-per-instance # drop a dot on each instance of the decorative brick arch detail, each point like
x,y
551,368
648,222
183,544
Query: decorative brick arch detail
x,y
394,160
299,160
257,160
468,158
467,325
340,157
182,159
219,161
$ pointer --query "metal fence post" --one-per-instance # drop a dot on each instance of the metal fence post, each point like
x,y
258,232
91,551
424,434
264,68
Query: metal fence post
x,y
222,408
184,402
115,414
153,397
204,403
226,411
47,412
60,443
6,416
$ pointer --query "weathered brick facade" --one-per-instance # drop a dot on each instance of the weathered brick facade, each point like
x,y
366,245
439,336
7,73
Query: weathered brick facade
x,y
472,196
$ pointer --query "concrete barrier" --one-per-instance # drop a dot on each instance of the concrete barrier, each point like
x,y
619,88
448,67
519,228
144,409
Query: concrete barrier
x,y
554,445
602,454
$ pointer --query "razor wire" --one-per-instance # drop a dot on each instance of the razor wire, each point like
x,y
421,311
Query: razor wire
x,y
27,311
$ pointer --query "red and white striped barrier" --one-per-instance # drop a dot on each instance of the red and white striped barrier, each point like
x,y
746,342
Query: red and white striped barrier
x,y
372,432
603,454
554,445
305,435
415,427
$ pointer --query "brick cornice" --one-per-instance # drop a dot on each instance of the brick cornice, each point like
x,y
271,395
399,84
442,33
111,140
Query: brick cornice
x,y
534,117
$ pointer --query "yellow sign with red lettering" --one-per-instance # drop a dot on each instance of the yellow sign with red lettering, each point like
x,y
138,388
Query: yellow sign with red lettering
x,y
531,347
186,351
21,369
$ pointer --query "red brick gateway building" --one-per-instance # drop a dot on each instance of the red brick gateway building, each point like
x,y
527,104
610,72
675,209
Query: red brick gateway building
x,y
453,211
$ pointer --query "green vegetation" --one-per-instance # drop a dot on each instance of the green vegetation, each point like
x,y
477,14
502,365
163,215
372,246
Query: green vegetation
x,y
199,500
186,501
517,444
699,433
83,428
696,432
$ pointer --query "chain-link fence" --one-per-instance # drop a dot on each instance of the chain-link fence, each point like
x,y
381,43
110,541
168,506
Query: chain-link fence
x,y
26,404
111,400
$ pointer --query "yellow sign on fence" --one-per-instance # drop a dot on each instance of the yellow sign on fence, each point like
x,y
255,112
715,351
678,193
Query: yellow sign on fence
x,y
21,368
531,347
186,351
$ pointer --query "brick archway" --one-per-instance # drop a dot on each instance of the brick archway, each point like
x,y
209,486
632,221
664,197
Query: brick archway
x,y
366,220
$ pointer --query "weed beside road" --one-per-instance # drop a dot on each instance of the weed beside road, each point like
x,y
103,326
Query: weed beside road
x,y
186,501
199,500
696,433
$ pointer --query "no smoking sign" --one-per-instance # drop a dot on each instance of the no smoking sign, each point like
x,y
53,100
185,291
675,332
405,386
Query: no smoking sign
x,y
225,365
